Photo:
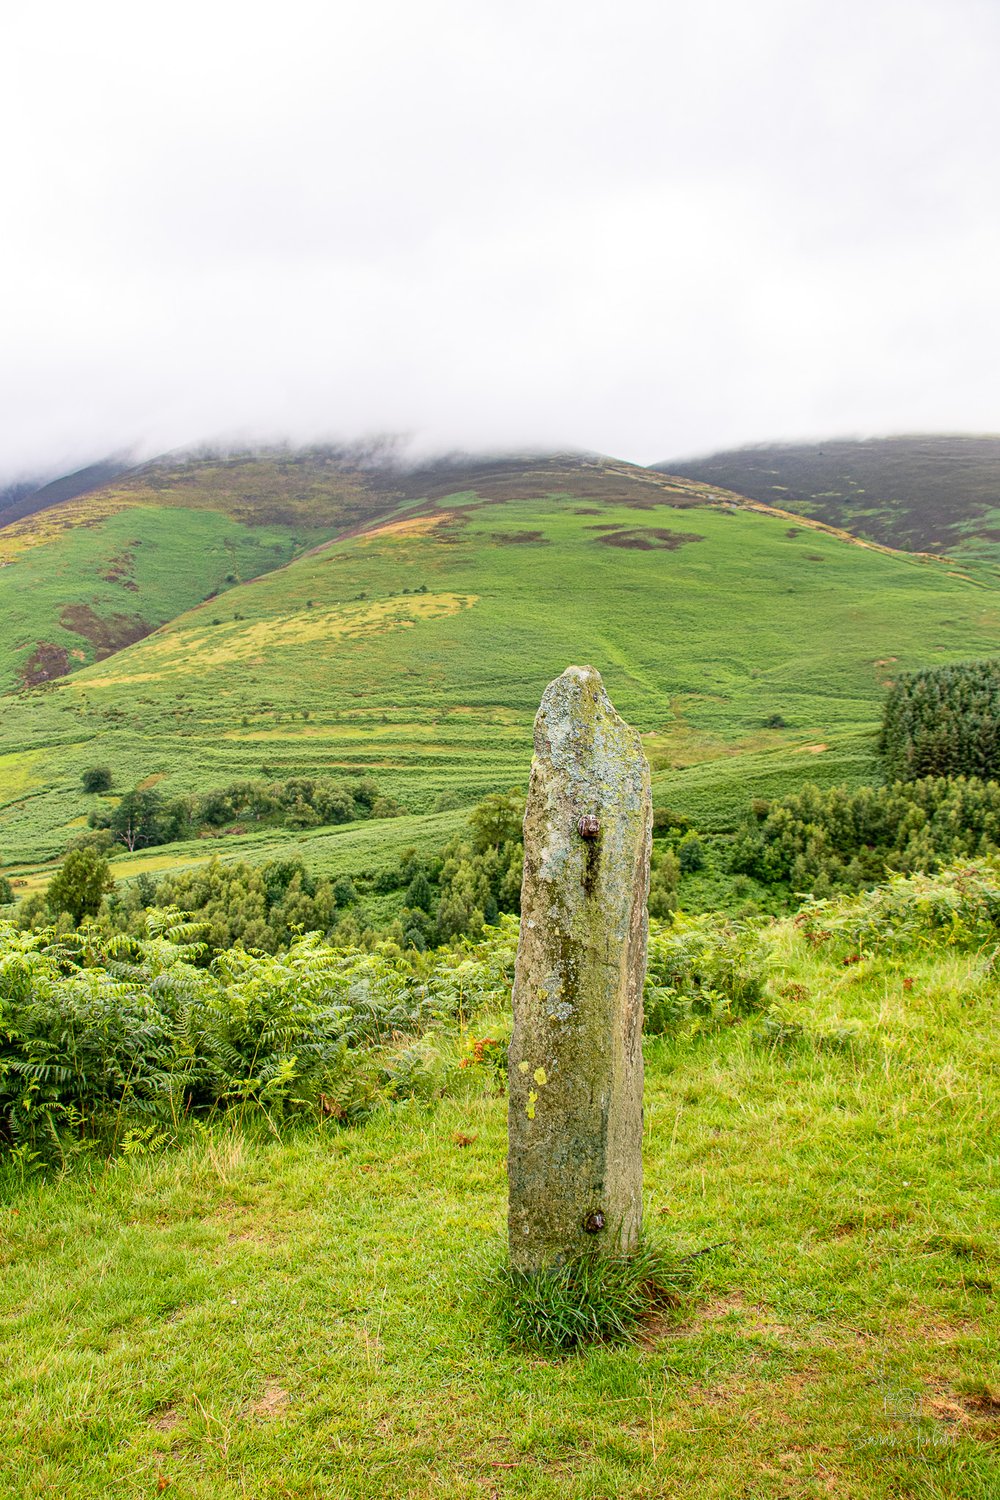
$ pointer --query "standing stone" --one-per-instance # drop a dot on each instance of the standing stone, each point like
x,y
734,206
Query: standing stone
x,y
575,1101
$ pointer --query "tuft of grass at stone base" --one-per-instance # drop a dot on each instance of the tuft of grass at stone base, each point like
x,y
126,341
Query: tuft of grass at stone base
x,y
591,1298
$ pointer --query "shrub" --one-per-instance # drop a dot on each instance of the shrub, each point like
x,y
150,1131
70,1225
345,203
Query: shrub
x,y
96,1031
664,876
819,840
703,967
958,907
691,853
97,779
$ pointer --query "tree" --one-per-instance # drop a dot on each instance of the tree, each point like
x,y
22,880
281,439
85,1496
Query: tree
x,y
135,821
691,853
497,820
79,885
97,779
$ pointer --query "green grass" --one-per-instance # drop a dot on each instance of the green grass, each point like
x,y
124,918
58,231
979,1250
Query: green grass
x,y
588,1299
335,664
304,1316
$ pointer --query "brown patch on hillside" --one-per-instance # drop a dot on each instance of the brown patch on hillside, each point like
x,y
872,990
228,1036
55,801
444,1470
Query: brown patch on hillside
x,y
119,568
44,663
518,538
648,538
107,633
413,526
453,522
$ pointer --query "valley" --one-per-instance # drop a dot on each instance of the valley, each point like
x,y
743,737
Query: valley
x,y
414,644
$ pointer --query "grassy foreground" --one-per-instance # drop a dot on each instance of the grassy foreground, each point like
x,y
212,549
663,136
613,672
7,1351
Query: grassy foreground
x,y
246,1315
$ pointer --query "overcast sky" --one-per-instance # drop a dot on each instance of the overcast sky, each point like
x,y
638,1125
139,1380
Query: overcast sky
x,y
646,227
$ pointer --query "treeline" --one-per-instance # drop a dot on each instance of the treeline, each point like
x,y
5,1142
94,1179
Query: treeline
x,y
435,897
143,817
821,841
428,898
943,722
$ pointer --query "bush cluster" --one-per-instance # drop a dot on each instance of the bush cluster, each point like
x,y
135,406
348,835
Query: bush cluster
x,y
99,1033
818,841
957,908
466,885
703,968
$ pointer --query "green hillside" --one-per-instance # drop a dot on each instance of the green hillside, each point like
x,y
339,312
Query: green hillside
x,y
923,494
83,577
416,650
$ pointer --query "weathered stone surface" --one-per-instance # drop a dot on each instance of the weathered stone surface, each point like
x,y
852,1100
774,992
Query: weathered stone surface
x,y
575,1102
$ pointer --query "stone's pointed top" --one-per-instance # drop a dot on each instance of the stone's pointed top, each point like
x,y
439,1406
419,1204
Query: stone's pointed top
x,y
582,674
578,723
578,679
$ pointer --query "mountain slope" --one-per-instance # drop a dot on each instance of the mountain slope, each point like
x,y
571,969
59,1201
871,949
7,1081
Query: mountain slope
x,y
922,494
26,499
416,648
83,576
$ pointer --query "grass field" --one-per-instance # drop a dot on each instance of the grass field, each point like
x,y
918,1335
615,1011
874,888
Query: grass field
x,y
303,1317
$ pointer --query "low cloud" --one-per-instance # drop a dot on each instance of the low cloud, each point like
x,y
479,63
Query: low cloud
x,y
645,229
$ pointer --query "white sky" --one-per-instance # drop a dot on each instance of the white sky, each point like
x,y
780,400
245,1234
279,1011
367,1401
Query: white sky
x,y
646,227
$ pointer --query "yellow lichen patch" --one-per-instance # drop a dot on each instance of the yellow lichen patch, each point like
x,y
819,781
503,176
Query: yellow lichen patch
x,y
529,1108
177,650
400,530
540,1076
118,679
